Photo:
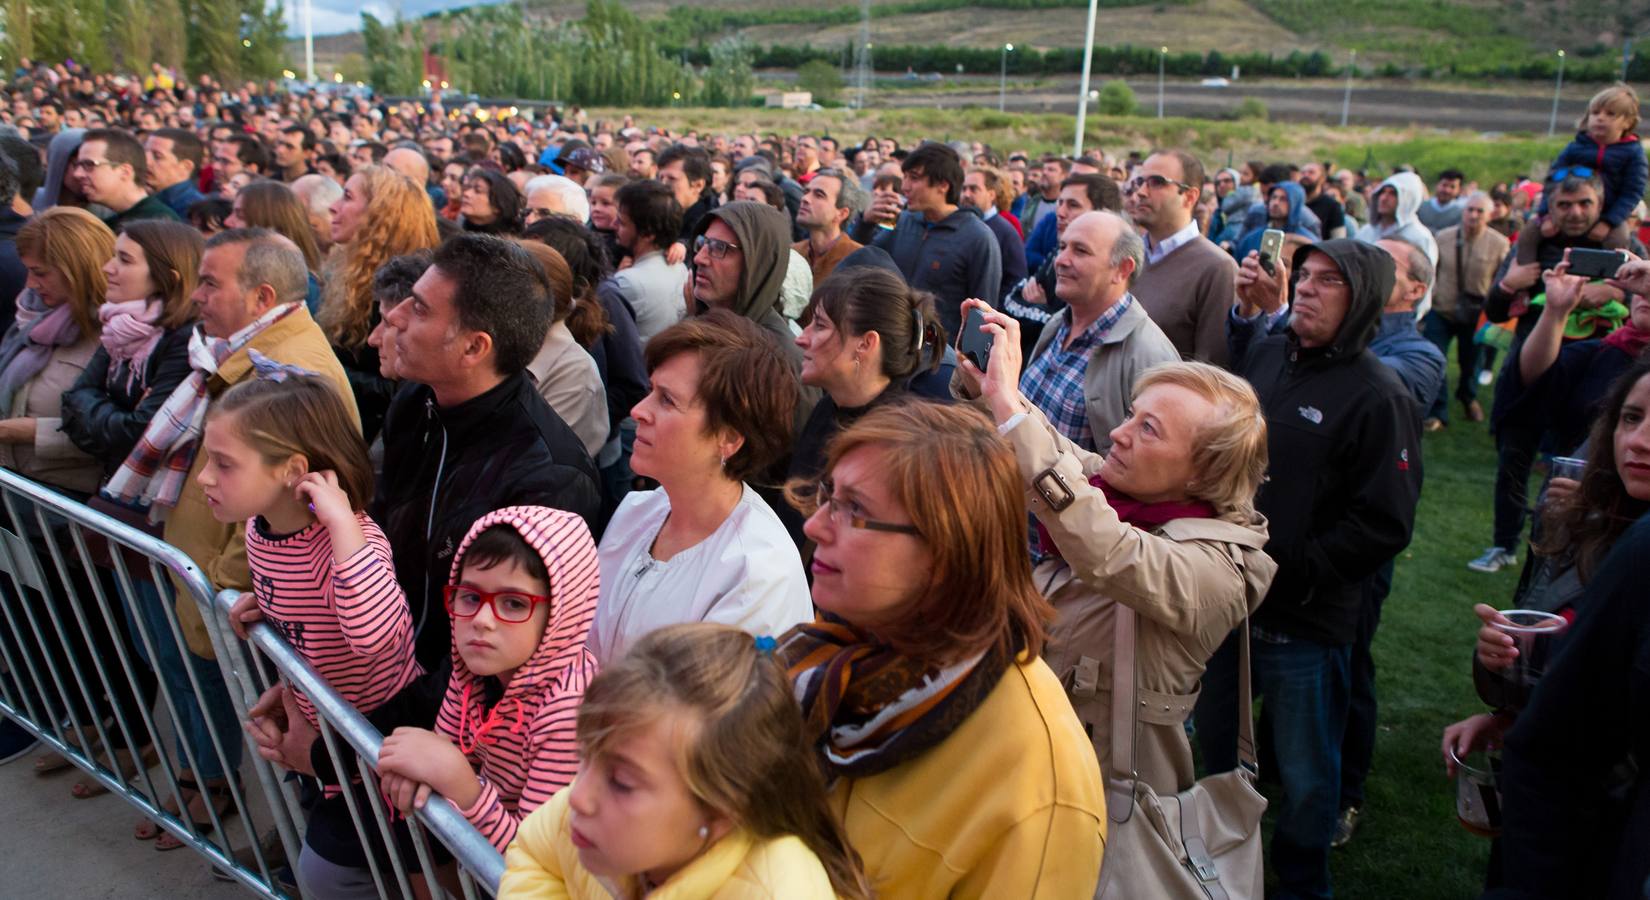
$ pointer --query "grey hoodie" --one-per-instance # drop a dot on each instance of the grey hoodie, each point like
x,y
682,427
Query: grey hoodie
x,y
1406,225
62,147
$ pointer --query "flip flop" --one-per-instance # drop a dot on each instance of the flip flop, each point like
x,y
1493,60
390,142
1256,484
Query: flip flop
x,y
50,762
149,829
89,788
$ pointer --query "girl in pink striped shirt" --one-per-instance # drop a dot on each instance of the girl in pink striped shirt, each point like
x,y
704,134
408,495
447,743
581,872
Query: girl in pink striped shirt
x,y
286,458
522,597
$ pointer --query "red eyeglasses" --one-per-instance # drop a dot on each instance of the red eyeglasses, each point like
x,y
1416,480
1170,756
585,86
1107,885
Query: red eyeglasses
x,y
508,606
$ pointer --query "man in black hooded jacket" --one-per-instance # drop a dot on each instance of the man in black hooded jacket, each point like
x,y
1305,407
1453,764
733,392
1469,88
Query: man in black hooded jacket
x,y
1345,461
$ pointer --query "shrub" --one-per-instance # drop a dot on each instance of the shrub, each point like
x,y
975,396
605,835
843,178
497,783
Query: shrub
x,y
1250,108
821,78
1117,99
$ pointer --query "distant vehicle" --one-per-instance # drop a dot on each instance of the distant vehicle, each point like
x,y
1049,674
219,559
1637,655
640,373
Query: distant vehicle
x,y
1216,81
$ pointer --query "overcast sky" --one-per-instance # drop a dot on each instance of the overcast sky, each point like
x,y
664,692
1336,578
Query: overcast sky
x,y
336,16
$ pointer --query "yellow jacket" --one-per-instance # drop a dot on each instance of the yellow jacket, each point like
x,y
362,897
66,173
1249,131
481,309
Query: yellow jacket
x,y
1011,805
219,549
543,864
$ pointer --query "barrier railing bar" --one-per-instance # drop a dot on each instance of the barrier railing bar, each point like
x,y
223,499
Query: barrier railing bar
x,y
375,800
469,848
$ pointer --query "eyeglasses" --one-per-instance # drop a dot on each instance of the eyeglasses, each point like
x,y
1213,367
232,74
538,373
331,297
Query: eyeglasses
x,y
508,606
1564,172
1329,280
1156,182
719,249
90,165
847,513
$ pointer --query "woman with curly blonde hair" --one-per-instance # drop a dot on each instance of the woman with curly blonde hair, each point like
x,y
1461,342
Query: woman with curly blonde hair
x,y
382,215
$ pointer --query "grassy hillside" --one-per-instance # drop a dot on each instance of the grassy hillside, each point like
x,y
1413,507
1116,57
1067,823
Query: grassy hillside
x,y
1405,35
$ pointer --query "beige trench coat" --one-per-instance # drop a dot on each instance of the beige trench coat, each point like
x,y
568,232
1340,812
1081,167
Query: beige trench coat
x,y
1190,583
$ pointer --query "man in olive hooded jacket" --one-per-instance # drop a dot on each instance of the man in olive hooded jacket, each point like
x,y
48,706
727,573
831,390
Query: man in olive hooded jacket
x,y
739,259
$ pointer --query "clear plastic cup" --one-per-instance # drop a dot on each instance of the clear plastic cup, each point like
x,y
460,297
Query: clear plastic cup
x,y
1477,801
1569,467
1532,632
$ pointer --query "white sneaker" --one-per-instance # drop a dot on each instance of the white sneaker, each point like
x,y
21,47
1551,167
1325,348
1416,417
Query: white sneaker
x,y
1493,560
1485,377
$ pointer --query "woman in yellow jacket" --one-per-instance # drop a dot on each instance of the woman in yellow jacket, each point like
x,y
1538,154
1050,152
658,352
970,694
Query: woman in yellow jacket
x,y
959,768
696,783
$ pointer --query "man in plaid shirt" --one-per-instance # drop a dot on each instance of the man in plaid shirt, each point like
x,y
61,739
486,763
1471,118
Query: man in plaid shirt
x,y
1081,373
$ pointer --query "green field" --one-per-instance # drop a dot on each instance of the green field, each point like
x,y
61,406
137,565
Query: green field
x,y
1217,142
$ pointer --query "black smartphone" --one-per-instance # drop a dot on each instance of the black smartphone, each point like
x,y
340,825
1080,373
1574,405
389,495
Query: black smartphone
x,y
1595,263
972,342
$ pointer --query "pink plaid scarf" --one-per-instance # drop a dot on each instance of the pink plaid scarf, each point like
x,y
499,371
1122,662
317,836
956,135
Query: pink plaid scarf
x,y
155,472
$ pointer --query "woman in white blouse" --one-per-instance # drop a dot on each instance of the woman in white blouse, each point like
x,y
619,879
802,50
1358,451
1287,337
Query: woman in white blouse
x,y
703,547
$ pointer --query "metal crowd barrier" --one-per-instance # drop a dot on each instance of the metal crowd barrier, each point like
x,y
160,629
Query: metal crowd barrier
x,y
86,601
479,865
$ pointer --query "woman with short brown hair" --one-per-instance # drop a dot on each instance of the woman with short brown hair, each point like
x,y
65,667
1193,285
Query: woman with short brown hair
x,y
703,546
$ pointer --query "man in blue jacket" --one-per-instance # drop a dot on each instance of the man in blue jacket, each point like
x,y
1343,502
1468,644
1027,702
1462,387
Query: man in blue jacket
x,y
940,247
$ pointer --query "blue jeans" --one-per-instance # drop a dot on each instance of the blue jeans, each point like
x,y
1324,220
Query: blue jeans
x,y
1440,329
1306,689
1516,447
197,720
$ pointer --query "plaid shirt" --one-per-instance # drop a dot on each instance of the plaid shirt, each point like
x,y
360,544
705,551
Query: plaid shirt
x,y
1053,382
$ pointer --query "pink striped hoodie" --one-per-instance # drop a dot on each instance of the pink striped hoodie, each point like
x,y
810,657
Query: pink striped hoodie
x,y
524,747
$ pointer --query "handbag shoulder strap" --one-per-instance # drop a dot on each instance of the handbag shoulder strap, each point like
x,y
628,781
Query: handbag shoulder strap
x,y
1124,729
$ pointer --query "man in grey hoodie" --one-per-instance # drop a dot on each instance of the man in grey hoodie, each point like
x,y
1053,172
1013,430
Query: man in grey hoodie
x,y
1392,214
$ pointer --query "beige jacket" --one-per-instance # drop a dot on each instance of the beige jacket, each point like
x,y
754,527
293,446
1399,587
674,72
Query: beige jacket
x,y
1478,259
51,458
566,377
1189,582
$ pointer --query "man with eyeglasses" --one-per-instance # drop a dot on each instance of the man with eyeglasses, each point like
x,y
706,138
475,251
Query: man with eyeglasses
x,y
740,257
1347,432
110,172
1186,285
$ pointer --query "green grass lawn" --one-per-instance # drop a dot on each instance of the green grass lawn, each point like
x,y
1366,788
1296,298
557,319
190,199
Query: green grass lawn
x,y
1410,844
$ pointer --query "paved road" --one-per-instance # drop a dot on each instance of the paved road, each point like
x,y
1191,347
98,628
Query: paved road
x,y
1375,104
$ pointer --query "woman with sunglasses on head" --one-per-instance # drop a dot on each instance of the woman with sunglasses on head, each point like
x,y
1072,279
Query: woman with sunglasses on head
x,y
957,765
703,546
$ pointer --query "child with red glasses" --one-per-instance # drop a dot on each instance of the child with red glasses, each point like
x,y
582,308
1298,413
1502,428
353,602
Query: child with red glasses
x,y
522,597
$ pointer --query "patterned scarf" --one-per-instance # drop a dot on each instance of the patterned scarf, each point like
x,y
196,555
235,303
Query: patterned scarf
x,y
130,333
155,472
868,707
28,346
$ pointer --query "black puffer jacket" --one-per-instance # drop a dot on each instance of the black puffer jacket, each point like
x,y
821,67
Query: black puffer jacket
x,y
106,411
446,468
1344,439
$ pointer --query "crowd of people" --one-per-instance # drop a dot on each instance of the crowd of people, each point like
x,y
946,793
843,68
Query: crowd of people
x,y
703,513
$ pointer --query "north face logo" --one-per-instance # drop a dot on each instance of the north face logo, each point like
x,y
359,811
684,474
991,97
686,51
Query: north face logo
x,y
1312,414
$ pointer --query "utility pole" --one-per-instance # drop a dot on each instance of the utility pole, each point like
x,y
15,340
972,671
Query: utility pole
x,y
1346,99
1552,121
309,44
1002,84
862,66
1083,89
1162,57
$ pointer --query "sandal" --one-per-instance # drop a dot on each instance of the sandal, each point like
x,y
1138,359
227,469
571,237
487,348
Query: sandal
x,y
52,761
87,788
149,829
214,792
